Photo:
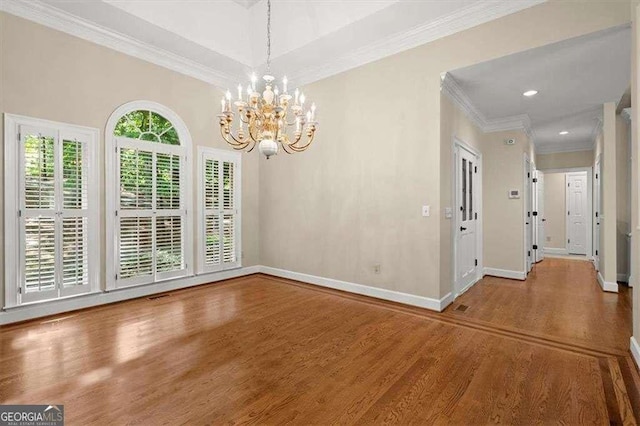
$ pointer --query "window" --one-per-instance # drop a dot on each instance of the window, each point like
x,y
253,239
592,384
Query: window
x,y
148,196
51,216
219,204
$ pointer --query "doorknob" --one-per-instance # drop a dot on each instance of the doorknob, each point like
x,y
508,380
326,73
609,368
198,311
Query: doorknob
x,y
462,228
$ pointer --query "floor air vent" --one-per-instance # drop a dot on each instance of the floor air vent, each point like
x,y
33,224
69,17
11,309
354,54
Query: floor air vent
x,y
462,308
158,296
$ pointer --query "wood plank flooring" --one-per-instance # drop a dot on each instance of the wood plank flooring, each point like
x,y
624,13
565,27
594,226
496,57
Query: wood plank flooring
x,y
263,350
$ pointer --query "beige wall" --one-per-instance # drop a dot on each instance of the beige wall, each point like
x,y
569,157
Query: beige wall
x,y
504,217
51,75
555,210
379,157
608,215
564,160
623,183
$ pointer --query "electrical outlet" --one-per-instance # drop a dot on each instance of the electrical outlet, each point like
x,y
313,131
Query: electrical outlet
x,y
376,269
426,211
448,213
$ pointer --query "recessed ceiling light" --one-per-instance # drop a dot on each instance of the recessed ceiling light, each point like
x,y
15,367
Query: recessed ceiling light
x,y
530,93
564,132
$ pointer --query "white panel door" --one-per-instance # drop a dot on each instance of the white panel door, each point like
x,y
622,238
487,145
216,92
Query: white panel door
x,y
577,211
528,205
539,218
466,232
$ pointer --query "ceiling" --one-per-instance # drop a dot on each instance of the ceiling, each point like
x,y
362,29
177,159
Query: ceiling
x,y
221,41
573,79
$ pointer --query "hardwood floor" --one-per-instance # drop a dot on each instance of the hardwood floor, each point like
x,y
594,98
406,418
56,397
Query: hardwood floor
x,y
263,350
560,300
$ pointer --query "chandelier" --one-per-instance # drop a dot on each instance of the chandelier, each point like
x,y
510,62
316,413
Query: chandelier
x,y
268,119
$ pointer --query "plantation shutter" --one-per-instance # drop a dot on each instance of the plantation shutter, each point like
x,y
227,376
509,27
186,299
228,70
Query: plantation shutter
x,y
219,171
151,212
54,213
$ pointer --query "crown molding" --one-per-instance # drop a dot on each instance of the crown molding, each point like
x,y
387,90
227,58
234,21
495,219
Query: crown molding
x,y
452,89
478,13
44,14
596,132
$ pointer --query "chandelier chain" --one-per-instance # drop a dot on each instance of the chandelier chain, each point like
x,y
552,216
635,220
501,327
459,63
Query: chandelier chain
x,y
268,35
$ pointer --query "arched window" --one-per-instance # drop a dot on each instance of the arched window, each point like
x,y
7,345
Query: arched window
x,y
148,149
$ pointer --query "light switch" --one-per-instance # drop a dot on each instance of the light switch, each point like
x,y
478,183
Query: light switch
x,y
426,211
448,214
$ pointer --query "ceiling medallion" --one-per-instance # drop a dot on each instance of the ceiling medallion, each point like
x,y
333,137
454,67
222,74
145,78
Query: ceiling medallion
x,y
265,119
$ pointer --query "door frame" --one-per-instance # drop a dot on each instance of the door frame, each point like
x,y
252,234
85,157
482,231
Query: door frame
x,y
527,189
590,201
538,218
458,144
597,167
589,242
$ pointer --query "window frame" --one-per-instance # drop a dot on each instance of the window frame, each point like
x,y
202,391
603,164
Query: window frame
x,y
112,197
13,184
221,155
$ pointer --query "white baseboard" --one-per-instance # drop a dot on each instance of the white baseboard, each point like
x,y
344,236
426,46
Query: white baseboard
x,y
607,286
379,293
635,351
504,273
556,251
36,310
623,278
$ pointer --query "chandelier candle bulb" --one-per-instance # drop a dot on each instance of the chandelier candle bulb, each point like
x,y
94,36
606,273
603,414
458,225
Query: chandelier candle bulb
x,y
297,95
222,105
239,92
284,84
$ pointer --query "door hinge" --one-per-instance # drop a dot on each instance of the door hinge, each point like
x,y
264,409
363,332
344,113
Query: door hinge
x,y
476,262
116,277
596,252
568,213
19,136
19,213
528,175
476,216
529,253
116,212
475,169
596,214
596,176
19,290
528,214
535,213
535,247
535,180
569,241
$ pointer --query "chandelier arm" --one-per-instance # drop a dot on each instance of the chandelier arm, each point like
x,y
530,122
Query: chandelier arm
x,y
233,141
253,145
304,147
286,149
238,141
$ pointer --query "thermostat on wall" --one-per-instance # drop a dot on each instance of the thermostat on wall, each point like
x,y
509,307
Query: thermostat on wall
x,y
511,141
514,193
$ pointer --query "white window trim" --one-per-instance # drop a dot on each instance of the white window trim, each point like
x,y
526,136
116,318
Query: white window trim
x,y
200,237
111,254
12,236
